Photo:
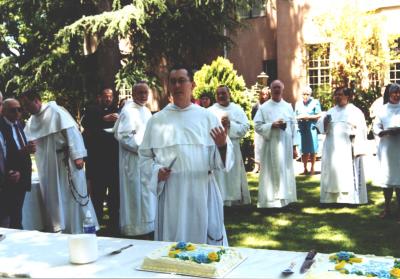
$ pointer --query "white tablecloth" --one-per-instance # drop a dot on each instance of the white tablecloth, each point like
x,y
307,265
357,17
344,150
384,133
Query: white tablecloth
x,y
46,255
33,212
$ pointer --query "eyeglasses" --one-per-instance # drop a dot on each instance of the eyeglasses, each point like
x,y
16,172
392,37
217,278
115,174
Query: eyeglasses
x,y
179,81
15,110
306,94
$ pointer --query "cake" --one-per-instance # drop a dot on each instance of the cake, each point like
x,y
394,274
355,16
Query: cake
x,y
193,259
348,265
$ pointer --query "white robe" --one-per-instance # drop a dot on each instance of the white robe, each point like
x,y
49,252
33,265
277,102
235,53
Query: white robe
x,y
66,203
389,146
277,185
233,184
342,169
137,203
189,206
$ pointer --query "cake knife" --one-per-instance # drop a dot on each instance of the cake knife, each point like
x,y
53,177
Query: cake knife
x,y
308,261
115,252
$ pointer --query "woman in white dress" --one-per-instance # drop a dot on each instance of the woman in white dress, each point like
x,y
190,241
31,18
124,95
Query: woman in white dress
x,y
387,128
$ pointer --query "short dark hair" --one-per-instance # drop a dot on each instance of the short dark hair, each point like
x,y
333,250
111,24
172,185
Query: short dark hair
x,y
346,91
182,67
224,86
31,95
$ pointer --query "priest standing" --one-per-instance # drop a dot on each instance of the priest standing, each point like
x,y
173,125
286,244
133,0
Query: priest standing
x,y
182,147
342,169
137,202
275,122
59,159
233,184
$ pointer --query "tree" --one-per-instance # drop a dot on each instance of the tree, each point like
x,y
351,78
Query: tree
x,y
161,33
356,41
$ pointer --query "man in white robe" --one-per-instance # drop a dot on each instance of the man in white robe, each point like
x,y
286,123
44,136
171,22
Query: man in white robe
x,y
183,145
275,121
59,159
233,184
137,202
342,170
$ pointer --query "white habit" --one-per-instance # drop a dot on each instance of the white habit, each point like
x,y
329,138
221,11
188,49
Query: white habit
x,y
62,185
389,146
233,184
189,205
277,185
342,169
137,203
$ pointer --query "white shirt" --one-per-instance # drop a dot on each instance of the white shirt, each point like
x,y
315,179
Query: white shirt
x,y
14,132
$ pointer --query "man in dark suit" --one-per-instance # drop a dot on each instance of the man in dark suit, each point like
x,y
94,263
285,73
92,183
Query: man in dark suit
x,y
103,157
18,160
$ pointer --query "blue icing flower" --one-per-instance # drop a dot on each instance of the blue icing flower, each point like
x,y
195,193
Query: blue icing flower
x,y
201,258
184,256
344,256
181,245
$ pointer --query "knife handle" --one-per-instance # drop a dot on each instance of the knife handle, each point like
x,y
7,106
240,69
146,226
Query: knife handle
x,y
311,255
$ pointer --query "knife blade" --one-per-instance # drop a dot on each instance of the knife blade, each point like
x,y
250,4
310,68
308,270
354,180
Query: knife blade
x,y
172,163
308,261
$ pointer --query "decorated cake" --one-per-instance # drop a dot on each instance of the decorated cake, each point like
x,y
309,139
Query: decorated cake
x,y
348,265
193,259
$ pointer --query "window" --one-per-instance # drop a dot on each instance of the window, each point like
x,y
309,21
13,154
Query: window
x,y
394,70
318,70
125,92
255,8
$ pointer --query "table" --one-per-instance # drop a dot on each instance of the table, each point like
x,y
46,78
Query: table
x,y
45,255
33,211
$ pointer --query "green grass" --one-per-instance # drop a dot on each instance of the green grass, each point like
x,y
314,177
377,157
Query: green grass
x,y
309,225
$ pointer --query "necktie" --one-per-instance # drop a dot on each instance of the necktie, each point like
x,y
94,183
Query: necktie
x,y
19,136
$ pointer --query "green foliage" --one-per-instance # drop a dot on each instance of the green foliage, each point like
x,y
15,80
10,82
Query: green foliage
x,y
324,95
42,42
355,37
221,72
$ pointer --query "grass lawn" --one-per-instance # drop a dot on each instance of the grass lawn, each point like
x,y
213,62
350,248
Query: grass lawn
x,y
308,225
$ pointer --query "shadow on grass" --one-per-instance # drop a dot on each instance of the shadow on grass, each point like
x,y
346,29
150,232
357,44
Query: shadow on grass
x,y
309,225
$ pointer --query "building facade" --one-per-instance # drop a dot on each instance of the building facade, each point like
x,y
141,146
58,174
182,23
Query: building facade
x,y
282,38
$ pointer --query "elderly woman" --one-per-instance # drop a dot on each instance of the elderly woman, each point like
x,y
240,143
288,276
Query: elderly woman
x,y
308,111
387,127
342,171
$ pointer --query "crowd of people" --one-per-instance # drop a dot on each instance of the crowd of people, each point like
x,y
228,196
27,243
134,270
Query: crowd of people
x,y
169,175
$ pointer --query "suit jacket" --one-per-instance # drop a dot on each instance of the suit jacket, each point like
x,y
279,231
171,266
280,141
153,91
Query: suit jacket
x,y
17,160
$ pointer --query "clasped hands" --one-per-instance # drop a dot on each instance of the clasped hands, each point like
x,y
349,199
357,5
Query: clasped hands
x,y
281,124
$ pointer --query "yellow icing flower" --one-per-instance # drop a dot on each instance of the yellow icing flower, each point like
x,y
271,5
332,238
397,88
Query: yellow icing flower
x,y
395,272
173,253
355,260
212,256
340,265
190,247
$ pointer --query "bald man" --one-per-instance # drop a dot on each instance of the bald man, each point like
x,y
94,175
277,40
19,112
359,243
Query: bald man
x,y
275,122
18,160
